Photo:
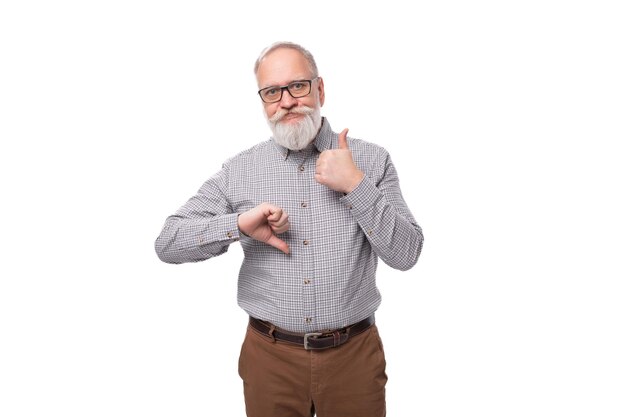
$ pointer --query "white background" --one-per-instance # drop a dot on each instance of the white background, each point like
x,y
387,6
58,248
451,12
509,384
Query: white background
x,y
505,121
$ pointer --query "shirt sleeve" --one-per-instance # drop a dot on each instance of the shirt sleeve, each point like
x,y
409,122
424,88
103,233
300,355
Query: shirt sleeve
x,y
202,228
382,214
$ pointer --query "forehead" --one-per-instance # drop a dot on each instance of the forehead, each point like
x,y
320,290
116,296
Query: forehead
x,y
281,67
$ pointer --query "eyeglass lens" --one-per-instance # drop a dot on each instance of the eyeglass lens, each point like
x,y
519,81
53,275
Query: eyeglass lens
x,y
296,89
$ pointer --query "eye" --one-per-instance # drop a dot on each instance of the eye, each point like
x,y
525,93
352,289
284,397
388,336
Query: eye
x,y
297,85
271,93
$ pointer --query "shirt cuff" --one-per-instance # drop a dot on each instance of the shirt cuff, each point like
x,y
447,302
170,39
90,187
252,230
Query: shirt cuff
x,y
226,228
362,197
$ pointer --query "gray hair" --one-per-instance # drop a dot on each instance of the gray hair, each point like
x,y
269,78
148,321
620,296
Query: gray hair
x,y
290,45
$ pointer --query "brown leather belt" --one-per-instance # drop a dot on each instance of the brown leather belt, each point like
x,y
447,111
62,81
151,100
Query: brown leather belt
x,y
316,340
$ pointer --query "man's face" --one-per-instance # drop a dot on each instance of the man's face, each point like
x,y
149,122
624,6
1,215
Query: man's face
x,y
281,67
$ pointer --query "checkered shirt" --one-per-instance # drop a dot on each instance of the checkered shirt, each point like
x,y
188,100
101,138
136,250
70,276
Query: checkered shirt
x,y
328,280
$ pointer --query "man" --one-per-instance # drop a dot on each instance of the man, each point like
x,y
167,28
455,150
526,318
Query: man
x,y
313,210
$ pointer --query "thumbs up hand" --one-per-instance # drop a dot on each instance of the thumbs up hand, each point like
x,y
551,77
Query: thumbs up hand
x,y
336,169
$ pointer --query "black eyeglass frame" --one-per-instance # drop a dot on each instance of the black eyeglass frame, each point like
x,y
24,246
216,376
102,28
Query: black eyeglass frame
x,y
286,87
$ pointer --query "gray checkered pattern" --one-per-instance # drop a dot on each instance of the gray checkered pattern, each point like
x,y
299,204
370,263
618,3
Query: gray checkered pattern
x,y
328,280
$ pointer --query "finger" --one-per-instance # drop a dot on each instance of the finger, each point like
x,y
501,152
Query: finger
x,y
343,141
275,213
280,229
278,244
279,215
284,219
322,162
267,209
322,158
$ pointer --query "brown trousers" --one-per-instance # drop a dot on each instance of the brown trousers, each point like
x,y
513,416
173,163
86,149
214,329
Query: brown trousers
x,y
284,380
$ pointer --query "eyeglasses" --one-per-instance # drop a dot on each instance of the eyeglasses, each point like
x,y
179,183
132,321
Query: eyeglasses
x,y
296,89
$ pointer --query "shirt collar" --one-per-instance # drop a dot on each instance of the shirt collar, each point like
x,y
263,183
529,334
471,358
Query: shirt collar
x,y
284,152
323,140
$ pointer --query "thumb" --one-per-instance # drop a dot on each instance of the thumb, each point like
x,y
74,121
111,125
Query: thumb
x,y
278,243
343,142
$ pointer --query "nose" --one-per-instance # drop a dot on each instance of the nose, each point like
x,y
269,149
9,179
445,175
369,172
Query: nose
x,y
286,101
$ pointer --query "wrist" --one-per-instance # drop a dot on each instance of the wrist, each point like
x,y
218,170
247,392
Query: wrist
x,y
239,225
358,177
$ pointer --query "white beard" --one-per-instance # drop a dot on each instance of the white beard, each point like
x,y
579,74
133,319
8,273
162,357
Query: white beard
x,y
296,136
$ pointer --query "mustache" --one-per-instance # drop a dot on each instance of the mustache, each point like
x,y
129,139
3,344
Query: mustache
x,y
280,113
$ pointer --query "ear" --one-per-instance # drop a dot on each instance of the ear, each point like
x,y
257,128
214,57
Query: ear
x,y
320,90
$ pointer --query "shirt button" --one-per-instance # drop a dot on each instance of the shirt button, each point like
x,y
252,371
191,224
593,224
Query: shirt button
x,y
306,242
301,168
350,206
303,204
307,281
229,235
308,319
369,232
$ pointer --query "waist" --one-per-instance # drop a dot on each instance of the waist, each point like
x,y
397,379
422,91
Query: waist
x,y
315,340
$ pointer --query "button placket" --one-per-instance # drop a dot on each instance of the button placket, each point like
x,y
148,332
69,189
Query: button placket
x,y
305,178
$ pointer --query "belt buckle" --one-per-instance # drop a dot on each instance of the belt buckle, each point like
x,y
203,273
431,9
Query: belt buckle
x,y
306,339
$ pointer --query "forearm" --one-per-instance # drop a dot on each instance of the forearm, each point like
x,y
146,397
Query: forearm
x,y
386,221
196,239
